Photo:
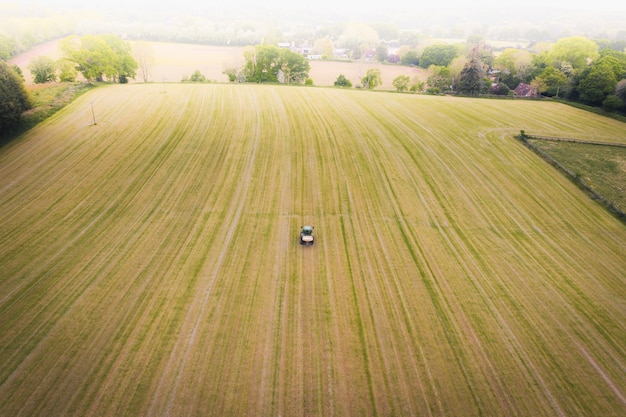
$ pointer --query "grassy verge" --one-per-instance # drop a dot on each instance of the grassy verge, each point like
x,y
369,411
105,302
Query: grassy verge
x,y
597,169
591,109
47,99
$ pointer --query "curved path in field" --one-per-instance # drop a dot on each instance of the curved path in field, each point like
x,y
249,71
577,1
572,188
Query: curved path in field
x,y
150,265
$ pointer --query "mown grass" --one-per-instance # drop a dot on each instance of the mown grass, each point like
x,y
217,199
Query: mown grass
x,y
46,100
150,264
603,168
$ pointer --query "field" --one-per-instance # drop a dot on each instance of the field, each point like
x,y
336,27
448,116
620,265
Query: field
x,y
150,265
603,168
173,61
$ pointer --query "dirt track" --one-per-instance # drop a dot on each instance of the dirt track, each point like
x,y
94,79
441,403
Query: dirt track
x,y
150,264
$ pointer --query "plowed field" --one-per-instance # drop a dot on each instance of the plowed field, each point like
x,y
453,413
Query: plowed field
x,y
150,265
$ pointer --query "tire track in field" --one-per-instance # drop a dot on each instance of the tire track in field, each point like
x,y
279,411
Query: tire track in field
x,y
374,293
187,222
439,272
180,354
63,293
460,317
269,387
108,268
472,252
444,288
467,330
423,259
373,265
331,143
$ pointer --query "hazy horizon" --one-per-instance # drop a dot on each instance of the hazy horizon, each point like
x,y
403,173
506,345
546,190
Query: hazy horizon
x,y
330,5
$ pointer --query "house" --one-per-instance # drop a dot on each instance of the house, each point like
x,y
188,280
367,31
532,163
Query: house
x,y
525,90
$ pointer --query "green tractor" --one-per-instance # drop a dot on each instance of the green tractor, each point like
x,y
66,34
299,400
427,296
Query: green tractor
x,y
306,235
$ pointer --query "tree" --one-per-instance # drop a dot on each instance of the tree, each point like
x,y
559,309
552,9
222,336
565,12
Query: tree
x,y
260,62
410,58
551,82
612,103
8,47
14,98
616,60
235,75
470,81
619,63
409,38
100,56
620,90
67,71
264,63
382,51
401,83
43,69
576,50
342,81
416,84
325,47
500,89
515,66
197,77
92,56
387,31
18,71
372,79
295,66
439,79
144,55
439,55
471,77
124,64
358,37
597,84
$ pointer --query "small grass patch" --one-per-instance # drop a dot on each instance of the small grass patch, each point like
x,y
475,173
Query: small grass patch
x,y
603,168
47,99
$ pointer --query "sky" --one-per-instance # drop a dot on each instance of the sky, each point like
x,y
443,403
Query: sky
x,y
343,5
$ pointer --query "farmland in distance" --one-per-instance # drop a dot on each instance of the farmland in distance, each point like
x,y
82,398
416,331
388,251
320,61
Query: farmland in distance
x,y
150,265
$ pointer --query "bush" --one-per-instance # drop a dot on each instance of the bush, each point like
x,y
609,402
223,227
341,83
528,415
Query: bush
x,y
401,83
14,99
500,89
411,58
196,77
43,69
342,81
612,104
417,86
308,82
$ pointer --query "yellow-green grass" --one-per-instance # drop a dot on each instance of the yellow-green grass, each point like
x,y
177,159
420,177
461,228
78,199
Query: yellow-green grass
x,y
603,168
150,265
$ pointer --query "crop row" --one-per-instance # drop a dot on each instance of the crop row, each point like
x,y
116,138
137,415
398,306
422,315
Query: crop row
x,y
150,265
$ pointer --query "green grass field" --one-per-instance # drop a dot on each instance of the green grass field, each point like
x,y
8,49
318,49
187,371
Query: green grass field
x,y
150,265
603,168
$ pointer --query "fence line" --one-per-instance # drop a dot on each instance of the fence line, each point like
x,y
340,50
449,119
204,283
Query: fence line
x,y
576,179
581,141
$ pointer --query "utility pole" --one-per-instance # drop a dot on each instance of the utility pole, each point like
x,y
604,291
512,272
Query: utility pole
x,y
93,114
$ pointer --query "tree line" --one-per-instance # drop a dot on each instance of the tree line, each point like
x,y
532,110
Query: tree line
x,y
95,57
574,68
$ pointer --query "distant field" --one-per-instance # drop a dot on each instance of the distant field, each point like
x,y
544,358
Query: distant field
x,y
150,265
173,61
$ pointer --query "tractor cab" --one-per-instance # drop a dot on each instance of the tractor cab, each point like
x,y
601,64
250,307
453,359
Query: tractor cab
x,y
306,235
